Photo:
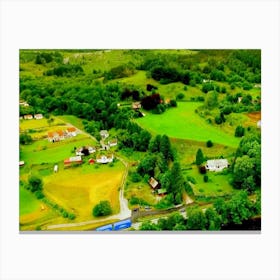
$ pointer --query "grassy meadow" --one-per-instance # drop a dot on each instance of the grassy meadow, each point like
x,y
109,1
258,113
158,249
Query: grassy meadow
x,y
183,123
218,184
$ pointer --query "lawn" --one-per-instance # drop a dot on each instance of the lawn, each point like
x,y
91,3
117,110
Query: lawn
x,y
75,121
186,150
28,203
44,151
79,189
218,184
183,123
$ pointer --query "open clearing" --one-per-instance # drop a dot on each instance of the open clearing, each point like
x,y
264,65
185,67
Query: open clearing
x,y
218,184
28,202
79,189
182,122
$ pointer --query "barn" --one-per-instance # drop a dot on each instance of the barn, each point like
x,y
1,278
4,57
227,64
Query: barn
x,y
73,160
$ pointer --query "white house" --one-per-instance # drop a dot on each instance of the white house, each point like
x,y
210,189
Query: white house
x,y
104,133
104,159
216,164
38,116
28,117
113,143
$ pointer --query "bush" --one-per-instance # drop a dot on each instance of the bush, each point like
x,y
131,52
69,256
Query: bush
x,y
135,177
191,179
205,178
25,139
35,183
239,131
218,120
180,96
209,144
173,103
71,216
102,209
39,194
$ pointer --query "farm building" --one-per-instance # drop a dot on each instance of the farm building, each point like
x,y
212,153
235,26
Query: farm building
x,y
28,117
91,161
154,183
23,103
80,151
73,160
136,105
21,163
113,142
105,159
104,133
216,164
38,116
71,131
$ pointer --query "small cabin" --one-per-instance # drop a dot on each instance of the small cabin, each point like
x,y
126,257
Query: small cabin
x,y
104,133
38,116
104,159
154,183
28,117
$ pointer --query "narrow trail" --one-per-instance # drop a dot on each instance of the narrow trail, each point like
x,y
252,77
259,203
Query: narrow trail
x,y
124,213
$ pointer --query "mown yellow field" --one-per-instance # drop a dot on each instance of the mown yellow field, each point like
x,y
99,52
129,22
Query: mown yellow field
x,y
34,124
80,191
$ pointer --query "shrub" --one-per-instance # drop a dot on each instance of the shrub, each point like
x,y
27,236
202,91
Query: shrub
x,y
135,177
191,179
218,120
205,178
102,209
35,183
71,216
180,96
209,144
173,103
239,131
39,194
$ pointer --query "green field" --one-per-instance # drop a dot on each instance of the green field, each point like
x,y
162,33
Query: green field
x,y
186,150
44,151
182,122
218,184
28,202
75,121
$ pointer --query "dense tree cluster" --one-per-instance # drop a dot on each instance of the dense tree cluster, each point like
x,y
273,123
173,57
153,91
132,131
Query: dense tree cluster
x,y
238,209
247,166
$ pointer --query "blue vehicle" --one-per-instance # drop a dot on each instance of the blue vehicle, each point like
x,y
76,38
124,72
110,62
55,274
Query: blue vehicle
x,y
105,228
122,224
